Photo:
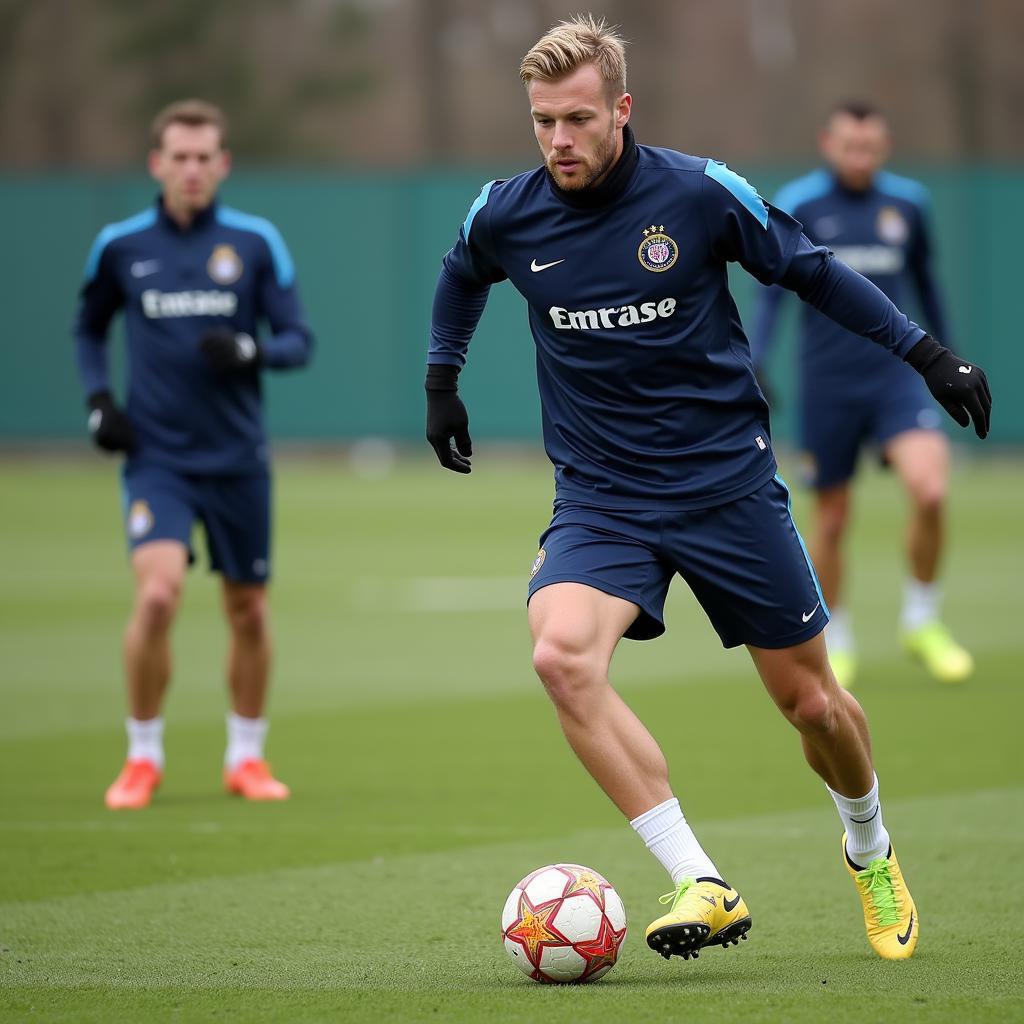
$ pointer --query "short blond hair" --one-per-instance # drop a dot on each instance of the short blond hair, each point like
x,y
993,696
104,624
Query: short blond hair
x,y
192,112
582,39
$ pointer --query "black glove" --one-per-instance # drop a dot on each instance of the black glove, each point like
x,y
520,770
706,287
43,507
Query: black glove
x,y
959,387
110,426
226,349
447,418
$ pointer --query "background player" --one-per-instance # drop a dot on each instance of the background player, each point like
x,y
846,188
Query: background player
x,y
663,463
851,393
194,278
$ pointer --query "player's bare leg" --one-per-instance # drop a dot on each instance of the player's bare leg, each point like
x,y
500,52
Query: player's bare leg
x,y
832,726
831,519
921,459
837,745
249,654
575,632
245,608
159,578
159,569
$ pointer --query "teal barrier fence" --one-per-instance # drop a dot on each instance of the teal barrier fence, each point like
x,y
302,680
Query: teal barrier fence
x,y
368,248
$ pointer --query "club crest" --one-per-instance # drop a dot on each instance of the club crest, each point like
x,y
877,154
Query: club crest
x,y
140,519
538,562
224,264
658,252
891,226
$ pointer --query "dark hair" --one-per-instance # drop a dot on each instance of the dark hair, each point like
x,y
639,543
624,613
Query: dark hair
x,y
191,112
859,109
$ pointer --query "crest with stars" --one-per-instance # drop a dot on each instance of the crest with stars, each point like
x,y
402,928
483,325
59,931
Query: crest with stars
x,y
563,923
658,252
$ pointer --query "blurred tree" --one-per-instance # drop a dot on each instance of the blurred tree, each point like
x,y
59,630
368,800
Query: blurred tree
x,y
275,66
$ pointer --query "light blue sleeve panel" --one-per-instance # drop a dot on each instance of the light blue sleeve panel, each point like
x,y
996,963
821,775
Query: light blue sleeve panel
x,y
903,188
141,221
478,204
740,188
803,190
284,268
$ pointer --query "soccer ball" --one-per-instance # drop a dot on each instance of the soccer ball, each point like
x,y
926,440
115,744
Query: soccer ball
x,y
563,923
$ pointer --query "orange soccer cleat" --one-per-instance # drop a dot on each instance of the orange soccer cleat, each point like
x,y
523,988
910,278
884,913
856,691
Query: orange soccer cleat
x,y
253,780
134,787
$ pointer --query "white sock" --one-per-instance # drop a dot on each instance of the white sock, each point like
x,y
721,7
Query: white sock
x,y
839,631
146,740
671,840
245,740
920,604
866,837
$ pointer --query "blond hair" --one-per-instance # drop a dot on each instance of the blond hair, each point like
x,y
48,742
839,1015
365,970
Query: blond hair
x,y
582,39
191,112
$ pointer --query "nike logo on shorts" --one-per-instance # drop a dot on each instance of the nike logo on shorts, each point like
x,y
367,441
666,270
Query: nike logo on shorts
x,y
807,615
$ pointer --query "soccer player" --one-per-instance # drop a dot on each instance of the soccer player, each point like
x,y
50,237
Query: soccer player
x,y
663,459
193,278
851,394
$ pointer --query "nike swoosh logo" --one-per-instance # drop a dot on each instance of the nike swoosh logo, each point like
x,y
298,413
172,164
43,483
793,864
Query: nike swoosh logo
x,y
871,817
904,939
538,267
807,615
730,905
143,268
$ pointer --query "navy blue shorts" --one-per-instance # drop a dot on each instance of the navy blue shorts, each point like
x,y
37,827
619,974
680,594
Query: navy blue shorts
x,y
833,430
163,504
744,561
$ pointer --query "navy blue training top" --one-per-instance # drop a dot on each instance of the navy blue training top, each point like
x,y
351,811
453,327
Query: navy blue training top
x,y
647,390
882,232
227,269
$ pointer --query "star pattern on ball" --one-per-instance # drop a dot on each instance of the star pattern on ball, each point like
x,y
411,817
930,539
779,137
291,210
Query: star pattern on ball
x,y
534,927
602,951
584,880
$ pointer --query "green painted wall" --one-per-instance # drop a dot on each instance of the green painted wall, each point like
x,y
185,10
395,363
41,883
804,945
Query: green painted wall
x,y
368,248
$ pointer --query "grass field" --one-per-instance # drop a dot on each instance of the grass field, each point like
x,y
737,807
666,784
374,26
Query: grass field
x,y
429,775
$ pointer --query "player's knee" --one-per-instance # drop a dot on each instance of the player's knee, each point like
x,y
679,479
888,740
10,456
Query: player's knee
x,y
565,668
814,712
929,496
248,617
832,523
157,601
811,710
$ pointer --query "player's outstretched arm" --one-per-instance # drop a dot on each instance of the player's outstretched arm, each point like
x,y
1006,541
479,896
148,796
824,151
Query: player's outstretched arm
x,y
855,303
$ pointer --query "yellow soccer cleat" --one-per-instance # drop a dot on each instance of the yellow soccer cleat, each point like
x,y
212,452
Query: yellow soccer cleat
x,y
703,913
890,915
941,655
844,667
